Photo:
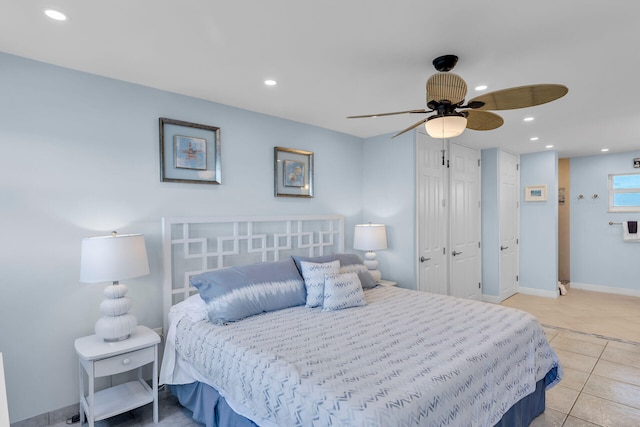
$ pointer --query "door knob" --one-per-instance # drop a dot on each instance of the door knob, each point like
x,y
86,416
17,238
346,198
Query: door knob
x,y
502,248
454,253
423,259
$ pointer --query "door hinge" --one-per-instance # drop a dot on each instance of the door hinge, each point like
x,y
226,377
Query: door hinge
x,y
479,285
444,251
478,162
517,241
447,163
478,245
517,166
517,278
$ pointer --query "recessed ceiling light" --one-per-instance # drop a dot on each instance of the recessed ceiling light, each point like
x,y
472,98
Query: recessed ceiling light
x,y
548,146
270,82
528,119
55,15
604,150
534,138
481,87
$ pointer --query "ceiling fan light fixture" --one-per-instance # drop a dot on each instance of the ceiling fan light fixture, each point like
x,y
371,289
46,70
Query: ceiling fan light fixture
x,y
56,15
448,126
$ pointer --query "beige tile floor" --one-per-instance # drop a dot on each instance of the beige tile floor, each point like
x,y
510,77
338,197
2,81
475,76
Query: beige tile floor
x,y
596,337
610,315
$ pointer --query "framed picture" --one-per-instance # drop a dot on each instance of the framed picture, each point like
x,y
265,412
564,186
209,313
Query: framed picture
x,y
535,193
293,172
189,152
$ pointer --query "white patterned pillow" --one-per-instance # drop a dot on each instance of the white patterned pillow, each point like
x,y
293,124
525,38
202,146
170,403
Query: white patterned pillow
x,y
342,291
313,275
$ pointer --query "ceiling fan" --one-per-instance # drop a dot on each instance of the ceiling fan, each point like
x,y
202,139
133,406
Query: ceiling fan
x,y
446,92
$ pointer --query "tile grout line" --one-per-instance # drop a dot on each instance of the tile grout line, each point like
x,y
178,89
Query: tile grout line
x,y
591,371
620,340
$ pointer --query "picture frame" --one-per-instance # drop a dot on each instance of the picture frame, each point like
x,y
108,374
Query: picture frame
x,y
189,152
535,193
292,172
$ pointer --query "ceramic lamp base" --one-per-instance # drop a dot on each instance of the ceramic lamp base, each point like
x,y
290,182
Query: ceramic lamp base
x,y
116,324
372,263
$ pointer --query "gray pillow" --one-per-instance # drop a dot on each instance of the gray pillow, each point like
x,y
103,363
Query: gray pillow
x,y
348,263
234,293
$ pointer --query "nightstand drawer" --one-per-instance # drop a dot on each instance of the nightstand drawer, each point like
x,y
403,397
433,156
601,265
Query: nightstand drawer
x,y
123,362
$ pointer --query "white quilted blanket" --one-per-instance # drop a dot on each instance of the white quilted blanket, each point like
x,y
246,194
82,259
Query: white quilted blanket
x,y
405,359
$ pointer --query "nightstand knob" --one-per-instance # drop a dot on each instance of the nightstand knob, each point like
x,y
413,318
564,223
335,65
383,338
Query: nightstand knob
x,y
126,361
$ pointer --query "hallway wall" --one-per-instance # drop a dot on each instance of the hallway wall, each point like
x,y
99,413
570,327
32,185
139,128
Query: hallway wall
x,y
600,259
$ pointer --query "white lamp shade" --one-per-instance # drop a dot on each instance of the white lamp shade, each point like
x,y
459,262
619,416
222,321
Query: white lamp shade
x,y
113,258
370,237
445,126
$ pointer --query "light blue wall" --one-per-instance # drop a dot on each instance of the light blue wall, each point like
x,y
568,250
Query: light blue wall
x,y
599,258
80,158
389,198
539,224
490,225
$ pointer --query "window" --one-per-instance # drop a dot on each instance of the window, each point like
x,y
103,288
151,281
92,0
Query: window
x,y
624,193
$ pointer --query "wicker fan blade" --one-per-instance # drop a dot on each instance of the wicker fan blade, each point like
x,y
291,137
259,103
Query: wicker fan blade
x,y
521,97
409,128
483,120
390,114
446,86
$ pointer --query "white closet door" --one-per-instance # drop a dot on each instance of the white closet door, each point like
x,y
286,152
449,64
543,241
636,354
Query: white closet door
x,y
509,214
465,230
432,220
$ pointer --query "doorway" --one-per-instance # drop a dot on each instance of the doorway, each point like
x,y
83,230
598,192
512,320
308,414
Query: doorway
x,y
564,221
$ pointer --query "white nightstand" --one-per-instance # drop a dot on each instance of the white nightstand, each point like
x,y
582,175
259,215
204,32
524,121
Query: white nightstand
x,y
100,359
387,283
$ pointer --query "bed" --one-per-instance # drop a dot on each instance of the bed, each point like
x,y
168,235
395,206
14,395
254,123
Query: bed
x,y
363,355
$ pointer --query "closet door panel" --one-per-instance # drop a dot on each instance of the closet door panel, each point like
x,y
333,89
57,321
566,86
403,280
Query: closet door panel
x,y
509,214
432,222
464,256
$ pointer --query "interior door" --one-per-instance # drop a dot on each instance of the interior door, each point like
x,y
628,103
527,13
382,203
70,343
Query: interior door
x,y
432,219
509,214
465,230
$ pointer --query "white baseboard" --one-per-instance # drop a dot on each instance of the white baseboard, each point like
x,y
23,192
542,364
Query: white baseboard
x,y
539,292
490,298
604,289
527,291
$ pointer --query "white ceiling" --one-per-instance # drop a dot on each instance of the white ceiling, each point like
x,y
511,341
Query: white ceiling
x,y
334,58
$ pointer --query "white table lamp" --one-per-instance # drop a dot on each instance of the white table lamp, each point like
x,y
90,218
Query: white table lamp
x,y
111,259
370,238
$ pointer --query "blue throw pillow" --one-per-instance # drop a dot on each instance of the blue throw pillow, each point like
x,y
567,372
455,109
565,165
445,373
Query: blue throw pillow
x,y
234,293
348,263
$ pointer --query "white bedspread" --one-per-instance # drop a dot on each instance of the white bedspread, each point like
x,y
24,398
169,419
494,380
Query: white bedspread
x,y
405,359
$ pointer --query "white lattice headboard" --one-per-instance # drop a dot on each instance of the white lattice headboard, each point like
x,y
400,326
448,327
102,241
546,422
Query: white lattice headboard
x,y
195,245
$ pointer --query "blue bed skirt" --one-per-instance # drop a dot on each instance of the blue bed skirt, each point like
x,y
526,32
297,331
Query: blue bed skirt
x,y
208,407
212,410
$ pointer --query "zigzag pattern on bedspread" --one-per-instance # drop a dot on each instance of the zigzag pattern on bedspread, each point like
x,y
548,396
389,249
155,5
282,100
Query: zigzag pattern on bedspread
x,y
404,359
